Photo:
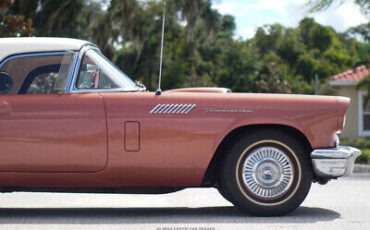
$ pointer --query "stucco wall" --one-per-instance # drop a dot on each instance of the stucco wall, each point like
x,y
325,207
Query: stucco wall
x,y
351,130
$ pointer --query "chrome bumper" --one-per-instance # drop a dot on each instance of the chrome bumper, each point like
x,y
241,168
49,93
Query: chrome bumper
x,y
336,162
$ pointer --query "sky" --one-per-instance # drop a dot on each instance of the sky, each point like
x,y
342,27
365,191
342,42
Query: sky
x,y
250,14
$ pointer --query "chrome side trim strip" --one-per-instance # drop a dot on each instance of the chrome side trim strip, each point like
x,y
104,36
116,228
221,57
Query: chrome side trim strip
x,y
182,109
168,108
190,107
177,108
173,108
155,108
162,108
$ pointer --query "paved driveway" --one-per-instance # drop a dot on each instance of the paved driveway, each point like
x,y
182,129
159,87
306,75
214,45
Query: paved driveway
x,y
341,204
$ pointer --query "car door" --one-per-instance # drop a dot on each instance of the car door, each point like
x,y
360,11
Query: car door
x,y
43,129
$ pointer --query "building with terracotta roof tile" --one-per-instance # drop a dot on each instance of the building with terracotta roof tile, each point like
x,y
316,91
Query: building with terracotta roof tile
x,y
350,77
358,115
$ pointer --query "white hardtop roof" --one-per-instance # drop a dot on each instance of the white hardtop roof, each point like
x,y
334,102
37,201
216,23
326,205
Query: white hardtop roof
x,y
11,46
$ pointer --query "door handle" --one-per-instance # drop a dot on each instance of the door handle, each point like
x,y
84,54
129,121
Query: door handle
x,y
4,107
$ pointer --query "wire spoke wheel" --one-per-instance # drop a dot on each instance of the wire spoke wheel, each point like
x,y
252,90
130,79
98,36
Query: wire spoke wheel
x,y
268,173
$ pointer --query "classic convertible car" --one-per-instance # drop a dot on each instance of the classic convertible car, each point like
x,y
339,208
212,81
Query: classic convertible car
x,y
70,121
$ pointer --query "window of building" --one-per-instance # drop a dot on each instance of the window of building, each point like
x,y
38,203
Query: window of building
x,y
364,114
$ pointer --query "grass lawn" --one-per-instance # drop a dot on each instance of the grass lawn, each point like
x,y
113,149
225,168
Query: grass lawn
x,y
364,158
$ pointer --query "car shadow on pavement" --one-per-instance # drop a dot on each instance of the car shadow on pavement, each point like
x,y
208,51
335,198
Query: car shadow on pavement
x,y
155,215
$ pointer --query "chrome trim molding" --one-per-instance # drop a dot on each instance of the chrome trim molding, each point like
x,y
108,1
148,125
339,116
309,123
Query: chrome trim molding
x,y
33,55
336,162
173,108
71,72
212,110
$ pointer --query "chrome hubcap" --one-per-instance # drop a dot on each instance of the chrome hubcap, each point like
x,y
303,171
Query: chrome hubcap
x,y
267,173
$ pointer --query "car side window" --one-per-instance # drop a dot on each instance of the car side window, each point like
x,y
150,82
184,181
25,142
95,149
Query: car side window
x,y
96,72
38,74
6,83
92,76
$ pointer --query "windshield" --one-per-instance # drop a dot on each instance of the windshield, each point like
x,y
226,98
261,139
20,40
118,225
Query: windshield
x,y
97,72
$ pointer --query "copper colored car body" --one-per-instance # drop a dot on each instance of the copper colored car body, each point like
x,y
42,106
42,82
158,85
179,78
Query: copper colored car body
x,y
112,140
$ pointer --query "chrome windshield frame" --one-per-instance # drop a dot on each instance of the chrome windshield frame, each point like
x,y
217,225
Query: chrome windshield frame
x,y
71,88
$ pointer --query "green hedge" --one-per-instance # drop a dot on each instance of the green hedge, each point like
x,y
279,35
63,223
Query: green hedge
x,y
362,143
364,158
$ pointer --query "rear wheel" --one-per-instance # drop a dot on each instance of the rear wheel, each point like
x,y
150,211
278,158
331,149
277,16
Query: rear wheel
x,y
266,173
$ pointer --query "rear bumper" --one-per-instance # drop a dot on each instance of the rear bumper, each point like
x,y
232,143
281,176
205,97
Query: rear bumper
x,y
336,162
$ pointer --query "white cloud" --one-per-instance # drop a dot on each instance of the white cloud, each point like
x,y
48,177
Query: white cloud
x,y
246,33
342,17
251,14
233,8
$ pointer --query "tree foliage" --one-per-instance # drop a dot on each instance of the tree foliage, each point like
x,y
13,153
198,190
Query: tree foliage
x,y
321,5
200,45
363,49
13,25
364,5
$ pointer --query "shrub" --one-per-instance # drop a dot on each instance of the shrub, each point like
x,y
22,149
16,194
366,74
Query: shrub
x,y
361,143
364,158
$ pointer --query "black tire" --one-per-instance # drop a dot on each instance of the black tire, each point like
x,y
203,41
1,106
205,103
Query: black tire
x,y
238,181
223,193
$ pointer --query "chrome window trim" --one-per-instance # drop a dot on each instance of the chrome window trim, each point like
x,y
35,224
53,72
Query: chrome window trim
x,y
34,55
49,53
75,90
72,87
72,70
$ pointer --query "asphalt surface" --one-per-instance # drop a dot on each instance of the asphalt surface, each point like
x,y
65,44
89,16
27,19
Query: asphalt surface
x,y
341,204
